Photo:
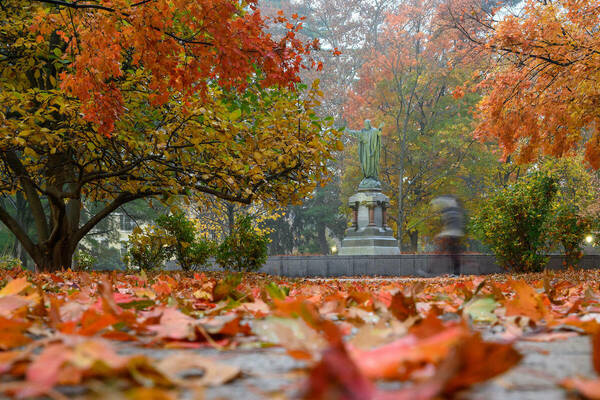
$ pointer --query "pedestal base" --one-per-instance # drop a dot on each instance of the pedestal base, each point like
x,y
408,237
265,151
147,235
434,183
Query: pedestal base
x,y
369,234
369,241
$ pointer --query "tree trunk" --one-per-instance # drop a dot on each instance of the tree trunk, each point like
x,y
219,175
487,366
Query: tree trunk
x,y
400,221
230,217
56,257
323,245
414,241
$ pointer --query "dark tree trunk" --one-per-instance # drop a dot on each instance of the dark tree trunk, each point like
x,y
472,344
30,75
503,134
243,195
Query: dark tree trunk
x,y
322,237
57,257
414,241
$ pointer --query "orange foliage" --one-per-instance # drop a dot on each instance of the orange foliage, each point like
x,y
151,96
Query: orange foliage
x,y
182,44
542,93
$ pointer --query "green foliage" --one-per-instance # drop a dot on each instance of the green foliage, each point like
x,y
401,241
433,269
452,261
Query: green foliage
x,y
8,262
515,222
569,229
575,211
244,249
84,261
173,235
277,292
149,247
189,250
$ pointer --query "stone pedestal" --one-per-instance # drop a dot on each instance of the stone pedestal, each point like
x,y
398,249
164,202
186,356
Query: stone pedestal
x,y
369,233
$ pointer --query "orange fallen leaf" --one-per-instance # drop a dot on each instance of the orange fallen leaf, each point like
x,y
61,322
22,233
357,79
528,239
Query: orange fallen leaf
x,y
14,286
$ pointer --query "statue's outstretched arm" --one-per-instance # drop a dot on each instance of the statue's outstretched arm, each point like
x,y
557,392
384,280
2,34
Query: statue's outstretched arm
x,y
381,125
353,132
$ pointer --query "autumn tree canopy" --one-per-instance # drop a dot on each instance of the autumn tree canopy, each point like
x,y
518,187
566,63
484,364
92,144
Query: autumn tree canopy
x,y
541,92
407,83
117,101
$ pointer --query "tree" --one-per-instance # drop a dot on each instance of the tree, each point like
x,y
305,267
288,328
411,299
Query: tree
x,y
116,103
407,83
304,228
347,31
541,90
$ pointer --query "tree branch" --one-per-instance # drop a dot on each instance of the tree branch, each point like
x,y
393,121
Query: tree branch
x,y
121,199
77,5
13,162
19,233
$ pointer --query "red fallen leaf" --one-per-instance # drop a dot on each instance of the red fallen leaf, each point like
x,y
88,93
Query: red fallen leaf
x,y
548,336
12,333
108,301
336,377
9,305
175,325
161,288
120,336
74,360
428,326
363,300
15,286
474,366
395,359
383,296
588,388
43,373
527,302
596,352
228,325
93,322
402,307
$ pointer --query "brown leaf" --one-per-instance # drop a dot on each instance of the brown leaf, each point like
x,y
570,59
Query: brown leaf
x,y
474,357
189,369
403,307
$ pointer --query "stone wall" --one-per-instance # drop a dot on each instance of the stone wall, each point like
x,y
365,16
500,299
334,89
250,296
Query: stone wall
x,y
424,265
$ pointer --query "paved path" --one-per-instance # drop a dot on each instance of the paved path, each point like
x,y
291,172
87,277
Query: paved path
x,y
272,374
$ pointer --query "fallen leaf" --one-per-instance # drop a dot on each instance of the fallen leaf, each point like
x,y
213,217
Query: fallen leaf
x,y
14,286
188,369
481,309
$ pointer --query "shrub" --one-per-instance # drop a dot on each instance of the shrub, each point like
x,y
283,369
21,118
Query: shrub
x,y
515,222
575,211
84,261
569,228
189,250
9,262
200,251
244,249
149,247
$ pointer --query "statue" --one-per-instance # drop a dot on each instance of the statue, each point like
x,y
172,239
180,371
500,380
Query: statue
x,y
369,148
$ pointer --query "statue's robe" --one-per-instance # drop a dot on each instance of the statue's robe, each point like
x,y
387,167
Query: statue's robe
x,y
368,151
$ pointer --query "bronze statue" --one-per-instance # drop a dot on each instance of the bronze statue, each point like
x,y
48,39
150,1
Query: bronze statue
x,y
369,149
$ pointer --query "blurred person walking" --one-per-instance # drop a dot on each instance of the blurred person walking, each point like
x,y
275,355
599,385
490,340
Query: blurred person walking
x,y
453,220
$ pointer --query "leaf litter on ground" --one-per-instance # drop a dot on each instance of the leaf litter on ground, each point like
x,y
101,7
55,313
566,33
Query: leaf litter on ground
x,y
66,328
